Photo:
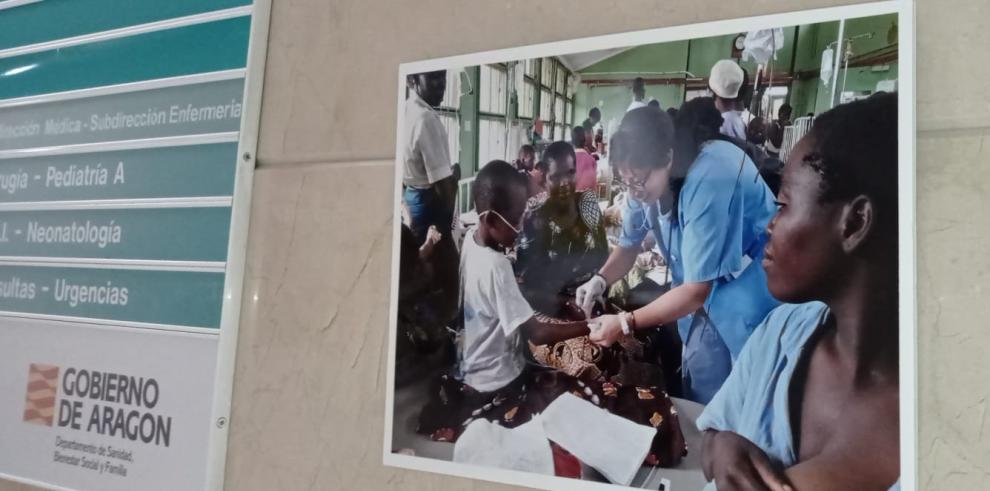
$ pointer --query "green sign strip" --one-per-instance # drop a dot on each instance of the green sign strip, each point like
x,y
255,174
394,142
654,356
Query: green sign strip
x,y
211,107
165,172
174,234
32,23
162,297
201,48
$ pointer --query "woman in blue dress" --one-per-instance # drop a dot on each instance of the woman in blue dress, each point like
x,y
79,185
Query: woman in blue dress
x,y
707,206
813,401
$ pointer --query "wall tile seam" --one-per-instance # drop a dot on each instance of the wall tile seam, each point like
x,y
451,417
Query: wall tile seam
x,y
334,162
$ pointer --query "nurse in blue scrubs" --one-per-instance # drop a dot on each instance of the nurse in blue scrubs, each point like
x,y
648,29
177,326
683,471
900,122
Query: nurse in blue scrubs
x,y
708,208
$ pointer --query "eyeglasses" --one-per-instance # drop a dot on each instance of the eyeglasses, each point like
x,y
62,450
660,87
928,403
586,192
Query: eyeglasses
x,y
514,228
637,185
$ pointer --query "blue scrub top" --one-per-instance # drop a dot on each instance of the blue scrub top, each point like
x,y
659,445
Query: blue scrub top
x,y
719,235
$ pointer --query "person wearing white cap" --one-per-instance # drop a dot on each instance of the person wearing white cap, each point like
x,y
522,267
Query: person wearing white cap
x,y
725,82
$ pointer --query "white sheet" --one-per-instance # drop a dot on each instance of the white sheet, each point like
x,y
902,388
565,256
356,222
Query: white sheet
x,y
524,448
610,444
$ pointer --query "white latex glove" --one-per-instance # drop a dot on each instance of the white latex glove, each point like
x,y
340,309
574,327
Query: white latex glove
x,y
587,293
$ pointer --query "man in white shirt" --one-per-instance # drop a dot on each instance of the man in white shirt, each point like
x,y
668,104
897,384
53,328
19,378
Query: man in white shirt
x,y
430,188
639,94
725,82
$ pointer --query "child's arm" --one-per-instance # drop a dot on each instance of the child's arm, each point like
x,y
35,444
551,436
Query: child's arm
x,y
541,333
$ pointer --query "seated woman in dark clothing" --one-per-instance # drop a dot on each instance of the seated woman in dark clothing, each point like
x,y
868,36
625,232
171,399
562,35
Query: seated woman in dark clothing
x,y
562,243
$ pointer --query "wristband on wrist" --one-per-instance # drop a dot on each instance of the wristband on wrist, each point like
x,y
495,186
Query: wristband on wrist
x,y
633,325
624,323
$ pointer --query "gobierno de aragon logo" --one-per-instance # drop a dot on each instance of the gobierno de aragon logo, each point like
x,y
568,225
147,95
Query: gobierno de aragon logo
x,y
42,390
92,401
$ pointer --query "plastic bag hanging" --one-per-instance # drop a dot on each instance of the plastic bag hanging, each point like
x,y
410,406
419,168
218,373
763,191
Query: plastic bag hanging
x,y
826,70
762,45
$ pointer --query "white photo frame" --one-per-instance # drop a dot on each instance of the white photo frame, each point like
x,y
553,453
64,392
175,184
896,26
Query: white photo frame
x,y
906,207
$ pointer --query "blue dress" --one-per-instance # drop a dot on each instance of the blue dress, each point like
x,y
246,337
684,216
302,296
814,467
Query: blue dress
x,y
754,402
718,236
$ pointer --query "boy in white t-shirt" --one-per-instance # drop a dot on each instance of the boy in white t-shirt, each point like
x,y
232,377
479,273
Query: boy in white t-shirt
x,y
497,319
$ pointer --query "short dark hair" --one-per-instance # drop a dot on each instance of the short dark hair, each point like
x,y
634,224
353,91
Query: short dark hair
x,y
785,109
854,149
698,121
639,84
527,149
412,77
756,131
654,103
542,166
559,151
595,111
493,186
643,140
578,136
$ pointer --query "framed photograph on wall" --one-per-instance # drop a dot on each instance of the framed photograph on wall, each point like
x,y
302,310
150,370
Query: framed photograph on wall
x,y
680,258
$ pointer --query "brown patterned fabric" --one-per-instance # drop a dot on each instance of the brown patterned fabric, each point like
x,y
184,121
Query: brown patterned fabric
x,y
624,363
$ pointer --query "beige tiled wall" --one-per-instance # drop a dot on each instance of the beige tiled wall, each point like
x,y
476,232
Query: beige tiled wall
x,y
309,384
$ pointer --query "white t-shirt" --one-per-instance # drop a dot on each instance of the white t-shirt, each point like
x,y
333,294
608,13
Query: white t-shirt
x,y
733,125
425,155
494,308
746,116
636,105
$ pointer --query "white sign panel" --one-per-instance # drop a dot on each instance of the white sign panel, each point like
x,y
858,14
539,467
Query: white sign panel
x,y
122,421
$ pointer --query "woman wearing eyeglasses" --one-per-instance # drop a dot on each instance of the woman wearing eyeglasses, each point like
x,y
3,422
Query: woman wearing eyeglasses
x,y
708,208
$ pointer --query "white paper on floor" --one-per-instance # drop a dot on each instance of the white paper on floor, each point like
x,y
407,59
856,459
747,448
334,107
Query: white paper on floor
x,y
610,444
524,448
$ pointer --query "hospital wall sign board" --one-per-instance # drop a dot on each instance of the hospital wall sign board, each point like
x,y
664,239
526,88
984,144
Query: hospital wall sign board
x,y
126,162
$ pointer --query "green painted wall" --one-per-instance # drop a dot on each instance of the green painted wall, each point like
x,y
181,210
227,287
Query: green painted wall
x,y
660,57
812,95
878,25
808,55
803,95
858,79
613,100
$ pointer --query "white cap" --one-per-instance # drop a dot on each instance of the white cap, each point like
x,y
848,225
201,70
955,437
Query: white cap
x,y
726,79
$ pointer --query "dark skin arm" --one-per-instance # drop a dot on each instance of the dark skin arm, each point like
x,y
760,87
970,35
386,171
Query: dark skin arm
x,y
446,189
835,472
540,333
735,463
